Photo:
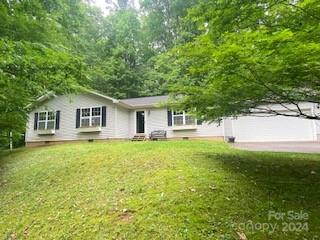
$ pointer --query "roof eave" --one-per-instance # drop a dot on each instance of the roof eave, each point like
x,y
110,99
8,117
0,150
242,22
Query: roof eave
x,y
101,95
144,106
41,99
122,104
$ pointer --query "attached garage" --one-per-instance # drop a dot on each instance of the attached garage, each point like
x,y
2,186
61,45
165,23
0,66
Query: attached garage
x,y
266,129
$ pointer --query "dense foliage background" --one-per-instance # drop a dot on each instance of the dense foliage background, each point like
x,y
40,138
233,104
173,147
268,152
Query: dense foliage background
x,y
58,45
225,56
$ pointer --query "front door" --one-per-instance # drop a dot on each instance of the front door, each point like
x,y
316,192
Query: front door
x,y
140,121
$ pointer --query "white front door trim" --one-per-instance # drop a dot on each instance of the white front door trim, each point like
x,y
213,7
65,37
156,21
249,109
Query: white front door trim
x,y
145,120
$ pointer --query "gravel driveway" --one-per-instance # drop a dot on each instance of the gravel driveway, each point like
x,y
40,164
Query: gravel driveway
x,y
304,147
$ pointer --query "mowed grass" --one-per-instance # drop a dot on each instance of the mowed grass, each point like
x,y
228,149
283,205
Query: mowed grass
x,y
155,190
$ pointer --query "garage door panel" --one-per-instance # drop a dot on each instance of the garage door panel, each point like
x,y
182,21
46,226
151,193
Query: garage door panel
x,y
273,129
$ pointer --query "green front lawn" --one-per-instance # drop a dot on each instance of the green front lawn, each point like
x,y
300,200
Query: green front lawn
x,y
156,190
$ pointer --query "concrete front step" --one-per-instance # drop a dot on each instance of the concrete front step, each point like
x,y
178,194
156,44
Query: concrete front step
x,y
139,137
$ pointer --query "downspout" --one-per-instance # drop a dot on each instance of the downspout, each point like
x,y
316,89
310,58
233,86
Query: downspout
x,y
10,141
314,126
115,121
224,130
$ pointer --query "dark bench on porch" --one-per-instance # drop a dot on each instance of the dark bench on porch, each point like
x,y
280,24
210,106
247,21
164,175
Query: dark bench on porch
x,y
158,135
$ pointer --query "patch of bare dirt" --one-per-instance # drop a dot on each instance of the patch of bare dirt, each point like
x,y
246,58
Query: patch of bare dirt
x,y
126,217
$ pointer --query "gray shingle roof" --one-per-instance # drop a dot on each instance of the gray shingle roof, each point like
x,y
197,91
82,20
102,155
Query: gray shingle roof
x,y
145,101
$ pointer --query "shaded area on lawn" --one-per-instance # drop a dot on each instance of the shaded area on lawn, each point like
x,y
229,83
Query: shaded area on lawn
x,y
278,182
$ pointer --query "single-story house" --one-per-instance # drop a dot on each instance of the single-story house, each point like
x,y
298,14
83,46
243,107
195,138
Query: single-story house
x,y
91,115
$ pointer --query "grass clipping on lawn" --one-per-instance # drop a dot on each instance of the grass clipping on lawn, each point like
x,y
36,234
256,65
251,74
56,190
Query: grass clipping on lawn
x,y
154,190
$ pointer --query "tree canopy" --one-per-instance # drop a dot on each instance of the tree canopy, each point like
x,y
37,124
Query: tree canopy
x,y
221,58
36,57
61,46
250,56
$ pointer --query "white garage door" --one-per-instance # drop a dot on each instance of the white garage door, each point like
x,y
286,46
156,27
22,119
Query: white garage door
x,y
255,129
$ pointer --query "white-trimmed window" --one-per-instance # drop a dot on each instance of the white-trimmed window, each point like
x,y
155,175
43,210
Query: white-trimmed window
x,y
182,118
90,117
46,120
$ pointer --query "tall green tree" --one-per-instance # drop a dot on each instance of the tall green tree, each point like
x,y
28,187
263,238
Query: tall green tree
x,y
250,55
162,22
117,71
36,56
163,26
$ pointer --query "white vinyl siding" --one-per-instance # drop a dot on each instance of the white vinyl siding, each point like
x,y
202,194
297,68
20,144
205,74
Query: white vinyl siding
x,y
316,110
157,119
121,123
68,106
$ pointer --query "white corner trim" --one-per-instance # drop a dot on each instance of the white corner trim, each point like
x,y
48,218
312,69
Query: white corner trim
x,y
314,124
115,121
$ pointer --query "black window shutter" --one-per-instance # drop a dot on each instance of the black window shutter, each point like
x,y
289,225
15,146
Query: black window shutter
x,y
57,119
199,121
104,116
78,118
35,126
169,118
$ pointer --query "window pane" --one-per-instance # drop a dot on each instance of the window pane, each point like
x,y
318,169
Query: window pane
x,y
85,112
95,121
190,120
85,122
96,111
50,125
177,113
178,120
41,125
42,115
51,116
